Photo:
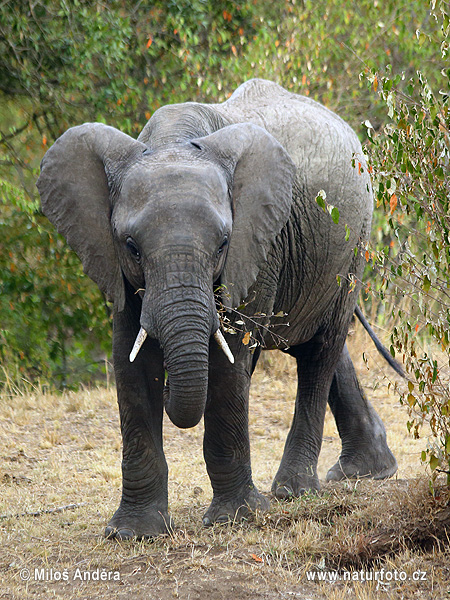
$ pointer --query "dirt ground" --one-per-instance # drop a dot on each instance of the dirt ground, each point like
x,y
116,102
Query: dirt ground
x,y
60,483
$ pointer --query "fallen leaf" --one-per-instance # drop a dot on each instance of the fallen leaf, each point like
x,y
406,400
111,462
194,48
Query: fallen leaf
x,y
257,558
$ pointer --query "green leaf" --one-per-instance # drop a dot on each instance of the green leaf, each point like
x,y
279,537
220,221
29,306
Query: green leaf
x,y
435,373
426,285
447,445
434,462
320,199
335,214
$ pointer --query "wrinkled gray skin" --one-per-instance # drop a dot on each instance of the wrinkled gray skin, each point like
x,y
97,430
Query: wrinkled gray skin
x,y
222,194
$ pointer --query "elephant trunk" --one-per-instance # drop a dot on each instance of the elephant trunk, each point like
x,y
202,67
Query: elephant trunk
x,y
183,318
187,366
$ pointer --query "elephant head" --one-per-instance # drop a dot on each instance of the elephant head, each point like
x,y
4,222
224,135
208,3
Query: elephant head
x,y
171,219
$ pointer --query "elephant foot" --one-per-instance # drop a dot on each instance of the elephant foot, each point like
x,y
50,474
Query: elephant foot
x,y
381,465
288,485
235,509
131,523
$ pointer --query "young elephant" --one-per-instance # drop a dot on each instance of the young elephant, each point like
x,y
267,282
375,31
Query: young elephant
x,y
222,195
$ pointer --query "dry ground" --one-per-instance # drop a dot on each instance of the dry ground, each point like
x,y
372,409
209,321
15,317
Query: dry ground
x,y
57,451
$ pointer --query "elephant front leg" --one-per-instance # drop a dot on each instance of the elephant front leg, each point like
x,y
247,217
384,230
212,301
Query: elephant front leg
x,y
226,444
365,452
297,473
143,510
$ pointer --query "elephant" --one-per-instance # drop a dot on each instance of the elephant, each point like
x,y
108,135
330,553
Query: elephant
x,y
207,236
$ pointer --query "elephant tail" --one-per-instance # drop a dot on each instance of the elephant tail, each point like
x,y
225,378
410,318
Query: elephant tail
x,y
378,345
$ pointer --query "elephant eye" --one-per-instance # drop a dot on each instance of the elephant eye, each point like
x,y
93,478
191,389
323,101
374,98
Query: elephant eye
x,y
133,249
223,246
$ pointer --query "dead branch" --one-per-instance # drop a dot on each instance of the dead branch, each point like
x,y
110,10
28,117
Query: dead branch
x,y
45,511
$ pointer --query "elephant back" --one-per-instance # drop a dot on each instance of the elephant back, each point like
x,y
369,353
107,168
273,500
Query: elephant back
x,y
324,148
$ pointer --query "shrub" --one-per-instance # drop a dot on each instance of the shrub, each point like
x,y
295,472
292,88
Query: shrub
x,y
411,160
54,323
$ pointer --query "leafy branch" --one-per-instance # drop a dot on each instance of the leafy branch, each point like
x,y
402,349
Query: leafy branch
x,y
251,327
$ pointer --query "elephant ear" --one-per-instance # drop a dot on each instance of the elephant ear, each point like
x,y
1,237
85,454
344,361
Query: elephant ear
x,y
262,176
79,173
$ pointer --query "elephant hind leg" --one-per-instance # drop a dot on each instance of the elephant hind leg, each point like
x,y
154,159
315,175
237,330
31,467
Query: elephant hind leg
x,y
365,452
297,473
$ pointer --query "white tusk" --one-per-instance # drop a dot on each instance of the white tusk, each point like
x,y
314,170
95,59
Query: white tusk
x,y
224,346
141,337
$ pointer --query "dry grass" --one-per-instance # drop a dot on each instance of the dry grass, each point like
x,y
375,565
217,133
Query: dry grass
x,y
65,450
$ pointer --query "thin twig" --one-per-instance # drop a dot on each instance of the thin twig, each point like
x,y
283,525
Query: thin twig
x,y
45,511
277,339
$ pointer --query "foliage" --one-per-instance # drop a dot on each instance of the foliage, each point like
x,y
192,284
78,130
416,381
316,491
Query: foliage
x,y
411,158
60,64
49,310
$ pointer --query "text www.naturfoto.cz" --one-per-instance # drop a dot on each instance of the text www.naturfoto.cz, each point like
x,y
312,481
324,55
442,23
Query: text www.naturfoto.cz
x,y
382,576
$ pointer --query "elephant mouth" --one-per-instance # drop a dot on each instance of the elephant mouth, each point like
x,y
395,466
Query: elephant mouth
x,y
218,336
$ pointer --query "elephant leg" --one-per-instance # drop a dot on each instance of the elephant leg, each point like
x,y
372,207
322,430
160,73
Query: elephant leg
x,y
226,445
297,473
143,510
365,452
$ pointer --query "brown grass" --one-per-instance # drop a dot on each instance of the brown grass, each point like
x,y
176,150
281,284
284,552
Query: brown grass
x,y
61,462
